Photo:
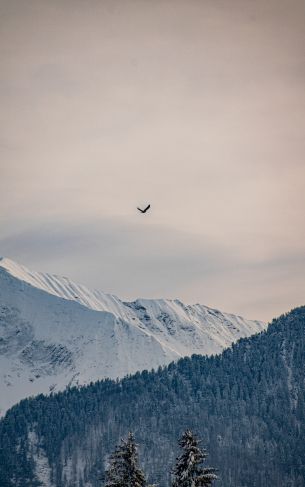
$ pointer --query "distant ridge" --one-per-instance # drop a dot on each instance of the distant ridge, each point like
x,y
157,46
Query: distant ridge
x,y
55,333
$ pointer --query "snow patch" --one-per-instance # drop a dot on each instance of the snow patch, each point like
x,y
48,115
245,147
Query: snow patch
x,y
41,464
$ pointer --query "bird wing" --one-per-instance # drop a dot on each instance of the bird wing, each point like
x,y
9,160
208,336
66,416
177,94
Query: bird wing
x,y
142,211
147,208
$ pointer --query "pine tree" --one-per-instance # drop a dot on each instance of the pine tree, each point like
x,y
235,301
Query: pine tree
x,y
123,468
188,471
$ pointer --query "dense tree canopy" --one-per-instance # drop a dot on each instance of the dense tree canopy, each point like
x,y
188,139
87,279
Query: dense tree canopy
x,y
247,404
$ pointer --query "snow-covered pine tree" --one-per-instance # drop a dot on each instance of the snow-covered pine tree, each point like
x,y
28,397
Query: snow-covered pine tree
x,y
188,471
124,470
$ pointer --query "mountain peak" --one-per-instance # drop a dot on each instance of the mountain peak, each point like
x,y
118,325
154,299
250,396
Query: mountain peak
x,y
55,333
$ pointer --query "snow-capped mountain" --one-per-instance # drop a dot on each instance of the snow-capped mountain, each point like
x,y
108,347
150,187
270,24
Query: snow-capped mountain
x,y
55,333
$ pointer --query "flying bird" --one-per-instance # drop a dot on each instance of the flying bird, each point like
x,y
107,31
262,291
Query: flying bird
x,y
145,209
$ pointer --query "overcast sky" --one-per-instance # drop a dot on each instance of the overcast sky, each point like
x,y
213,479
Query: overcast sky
x,y
196,106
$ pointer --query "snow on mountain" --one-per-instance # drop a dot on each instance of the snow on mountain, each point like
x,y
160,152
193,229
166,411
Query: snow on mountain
x,y
55,333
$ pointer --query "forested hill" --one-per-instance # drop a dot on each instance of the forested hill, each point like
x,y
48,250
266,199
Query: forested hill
x,y
248,405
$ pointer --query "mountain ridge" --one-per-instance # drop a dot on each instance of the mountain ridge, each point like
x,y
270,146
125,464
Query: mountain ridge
x,y
55,333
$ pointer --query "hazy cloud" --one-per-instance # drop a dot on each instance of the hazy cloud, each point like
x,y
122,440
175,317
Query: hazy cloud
x,y
197,107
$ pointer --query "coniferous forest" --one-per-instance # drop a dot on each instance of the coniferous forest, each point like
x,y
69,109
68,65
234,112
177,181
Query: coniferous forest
x,y
247,405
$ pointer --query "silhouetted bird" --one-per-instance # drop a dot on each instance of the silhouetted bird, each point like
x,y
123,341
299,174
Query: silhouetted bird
x,y
145,209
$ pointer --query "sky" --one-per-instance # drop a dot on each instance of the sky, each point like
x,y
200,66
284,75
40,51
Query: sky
x,y
194,106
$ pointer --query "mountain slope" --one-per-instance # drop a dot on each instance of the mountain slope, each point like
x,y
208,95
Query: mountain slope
x,y
248,405
55,333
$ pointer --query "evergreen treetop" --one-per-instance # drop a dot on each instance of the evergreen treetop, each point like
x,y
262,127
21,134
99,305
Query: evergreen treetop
x,y
123,468
188,471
